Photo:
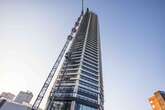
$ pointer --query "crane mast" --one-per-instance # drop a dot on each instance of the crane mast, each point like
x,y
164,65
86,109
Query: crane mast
x,y
44,88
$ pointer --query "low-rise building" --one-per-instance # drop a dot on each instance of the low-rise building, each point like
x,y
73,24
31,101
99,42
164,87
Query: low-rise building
x,y
11,105
158,100
24,97
7,95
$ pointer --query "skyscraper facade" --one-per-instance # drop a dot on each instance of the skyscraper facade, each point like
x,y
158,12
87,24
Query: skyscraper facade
x,y
79,84
158,100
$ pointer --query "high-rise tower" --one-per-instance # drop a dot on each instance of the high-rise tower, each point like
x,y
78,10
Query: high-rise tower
x,y
79,84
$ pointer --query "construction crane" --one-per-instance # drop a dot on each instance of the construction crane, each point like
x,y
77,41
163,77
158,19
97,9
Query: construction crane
x,y
52,96
44,88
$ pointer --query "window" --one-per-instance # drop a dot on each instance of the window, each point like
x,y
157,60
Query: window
x,y
75,55
88,65
91,55
71,71
88,94
91,44
89,79
88,69
57,105
65,89
91,58
88,90
88,85
91,50
89,74
71,66
90,62
84,107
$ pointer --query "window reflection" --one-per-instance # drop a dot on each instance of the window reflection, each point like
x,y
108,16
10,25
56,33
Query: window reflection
x,y
84,107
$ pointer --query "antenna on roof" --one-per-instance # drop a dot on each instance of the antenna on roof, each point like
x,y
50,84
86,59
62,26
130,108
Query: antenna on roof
x,y
82,12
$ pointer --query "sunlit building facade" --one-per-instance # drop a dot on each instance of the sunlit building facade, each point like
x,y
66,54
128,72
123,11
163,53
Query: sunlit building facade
x,y
24,97
80,87
7,95
158,101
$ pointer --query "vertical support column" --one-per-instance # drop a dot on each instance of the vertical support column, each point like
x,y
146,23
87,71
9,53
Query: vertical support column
x,y
82,7
82,57
100,67
73,105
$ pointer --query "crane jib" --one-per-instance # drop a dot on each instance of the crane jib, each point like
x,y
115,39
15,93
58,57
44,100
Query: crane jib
x,y
42,92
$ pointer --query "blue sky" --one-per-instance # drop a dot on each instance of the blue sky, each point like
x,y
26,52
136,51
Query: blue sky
x,y
32,33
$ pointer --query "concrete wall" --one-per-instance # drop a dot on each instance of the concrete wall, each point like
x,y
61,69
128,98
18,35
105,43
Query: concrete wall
x,y
14,106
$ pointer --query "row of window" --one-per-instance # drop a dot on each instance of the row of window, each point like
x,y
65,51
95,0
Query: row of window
x,y
91,50
88,79
90,58
67,76
76,52
87,94
60,95
71,66
92,47
75,55
91,55
94,94
77,41
75,59
86,99
72,63
92,38
60,105
71,71
88,90
64,82
89,65
91,62
64,90
90,70
77,49
89,74
77,44
92,44
88,85
84,107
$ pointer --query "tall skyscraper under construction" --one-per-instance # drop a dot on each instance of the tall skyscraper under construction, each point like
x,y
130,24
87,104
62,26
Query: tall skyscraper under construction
x,y
79,84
